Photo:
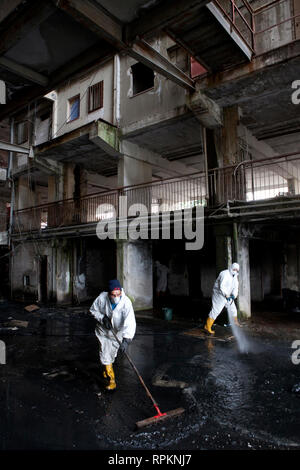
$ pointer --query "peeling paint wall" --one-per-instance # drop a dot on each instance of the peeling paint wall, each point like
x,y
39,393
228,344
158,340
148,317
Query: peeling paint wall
x,y
147,106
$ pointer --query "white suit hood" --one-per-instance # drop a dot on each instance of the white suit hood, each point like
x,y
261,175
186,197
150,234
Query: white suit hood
x,y
122,316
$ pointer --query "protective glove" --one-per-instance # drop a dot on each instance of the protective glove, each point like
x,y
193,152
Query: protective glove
x,y
106,322
232,297
124,345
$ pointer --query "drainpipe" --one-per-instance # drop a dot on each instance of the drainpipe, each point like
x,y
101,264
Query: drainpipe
x,y
205,161
116,100
11,183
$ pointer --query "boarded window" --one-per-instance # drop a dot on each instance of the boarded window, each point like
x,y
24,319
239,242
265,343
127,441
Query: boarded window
x,y
22,132
74,108
142,78
95,97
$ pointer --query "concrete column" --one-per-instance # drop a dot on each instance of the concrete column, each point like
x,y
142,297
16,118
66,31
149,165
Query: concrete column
x,y
64,271
228,153
244,298
134,270
223,236
134,258
68,181
131,171
25,197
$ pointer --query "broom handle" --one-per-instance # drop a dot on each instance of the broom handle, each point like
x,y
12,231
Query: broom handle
x,y
136,371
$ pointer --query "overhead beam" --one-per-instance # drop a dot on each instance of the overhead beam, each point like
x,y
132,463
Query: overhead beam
x,y
99,22
23,71
13,147
21,23
149,56
90,15
7,7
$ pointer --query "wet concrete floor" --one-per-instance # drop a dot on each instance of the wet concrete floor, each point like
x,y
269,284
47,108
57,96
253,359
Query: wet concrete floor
x,y
52,393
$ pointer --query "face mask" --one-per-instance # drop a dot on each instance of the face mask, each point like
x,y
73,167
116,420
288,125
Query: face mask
x,y
115,300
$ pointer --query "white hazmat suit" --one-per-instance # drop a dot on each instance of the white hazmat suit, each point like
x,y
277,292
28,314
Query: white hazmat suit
x,y
226,285
123,321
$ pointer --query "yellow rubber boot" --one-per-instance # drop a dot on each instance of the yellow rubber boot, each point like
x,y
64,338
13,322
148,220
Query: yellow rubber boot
x,y
236,321
209,323
111,375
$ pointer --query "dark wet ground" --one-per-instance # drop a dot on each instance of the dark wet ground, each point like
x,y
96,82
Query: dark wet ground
x,y
52,395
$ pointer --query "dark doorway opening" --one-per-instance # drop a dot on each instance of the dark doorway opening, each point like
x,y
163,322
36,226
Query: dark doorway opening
x,y
44,278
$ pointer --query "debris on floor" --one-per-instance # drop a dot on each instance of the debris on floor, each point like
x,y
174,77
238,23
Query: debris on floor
x,y
31,308
19,323
200,333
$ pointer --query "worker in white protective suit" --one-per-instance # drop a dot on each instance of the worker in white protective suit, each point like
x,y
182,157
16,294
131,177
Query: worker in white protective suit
x,y
113,309
225,291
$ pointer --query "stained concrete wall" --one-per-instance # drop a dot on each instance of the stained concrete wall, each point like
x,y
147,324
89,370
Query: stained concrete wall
x,y
280,34
291,267
144,108
134,270
26,262
80,86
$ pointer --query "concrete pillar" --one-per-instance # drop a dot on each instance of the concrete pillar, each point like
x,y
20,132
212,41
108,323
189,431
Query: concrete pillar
x,y
131,171
223,236
297,18
134,270
68,181
244,298
64,271
228,153
25,197
134,257
226,138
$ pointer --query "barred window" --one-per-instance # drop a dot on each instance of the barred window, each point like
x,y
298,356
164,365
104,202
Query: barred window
x,y
95,97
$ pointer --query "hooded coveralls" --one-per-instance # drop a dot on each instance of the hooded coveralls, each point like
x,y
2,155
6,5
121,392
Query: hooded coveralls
x,y
123,321
227,284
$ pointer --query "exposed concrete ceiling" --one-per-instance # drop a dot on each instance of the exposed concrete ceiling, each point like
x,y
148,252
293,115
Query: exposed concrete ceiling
x,y
176,139
44,43
264,96
129,10
77,148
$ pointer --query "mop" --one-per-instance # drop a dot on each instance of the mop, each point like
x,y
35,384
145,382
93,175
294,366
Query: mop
x,y
159,416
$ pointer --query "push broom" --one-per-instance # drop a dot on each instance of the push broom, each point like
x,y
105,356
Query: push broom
x,y
160,416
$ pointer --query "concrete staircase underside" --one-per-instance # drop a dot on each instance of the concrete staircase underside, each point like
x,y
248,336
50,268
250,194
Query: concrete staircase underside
x,y
208,35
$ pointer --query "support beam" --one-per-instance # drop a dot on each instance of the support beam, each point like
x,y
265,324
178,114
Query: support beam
x,y
23,71
21,23
136,152
7,7
109,29
91,16
13,148
146,54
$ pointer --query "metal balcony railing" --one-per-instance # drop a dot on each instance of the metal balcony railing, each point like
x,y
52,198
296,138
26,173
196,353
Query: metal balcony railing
x,y
240,15
250,180
168,195
274,24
